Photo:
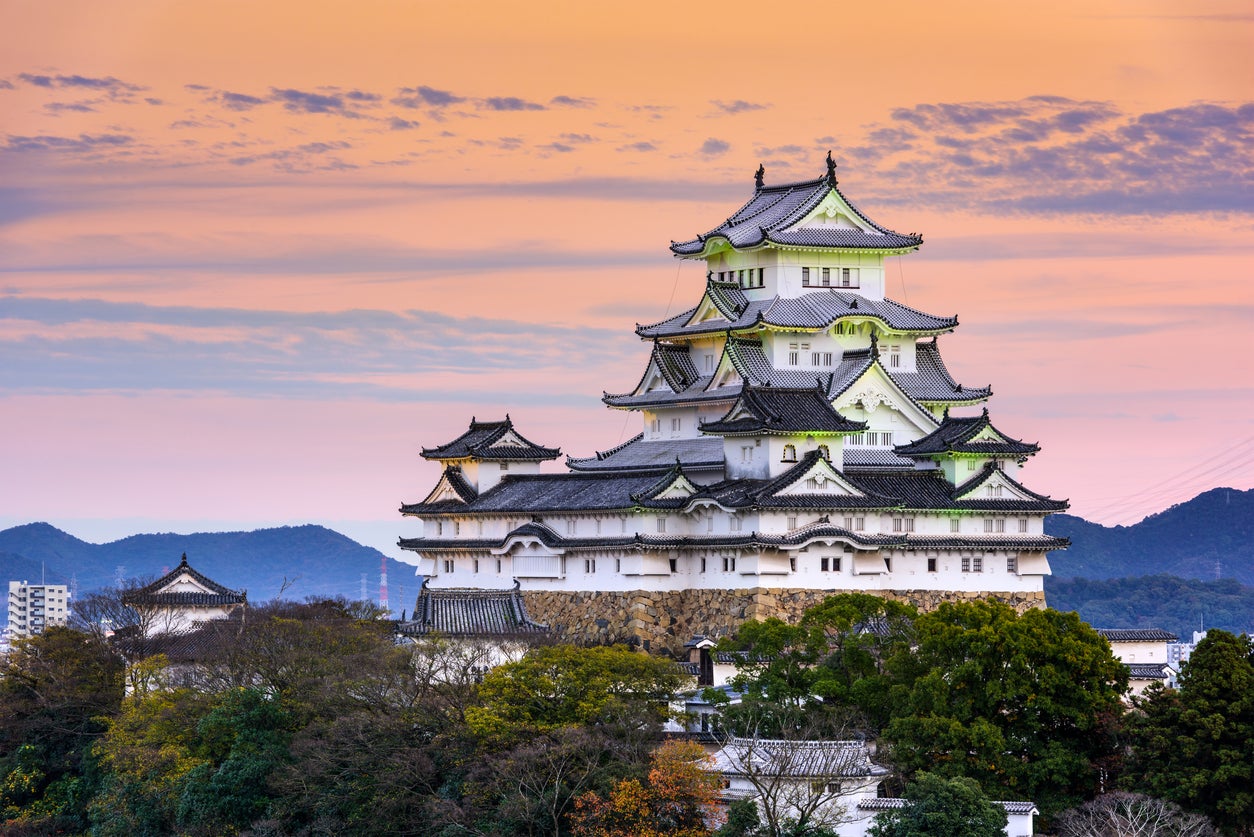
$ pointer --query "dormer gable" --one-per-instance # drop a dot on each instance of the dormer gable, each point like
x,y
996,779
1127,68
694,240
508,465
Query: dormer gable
x,y
874,388
833,212
452,488
813,475
670,491
992,484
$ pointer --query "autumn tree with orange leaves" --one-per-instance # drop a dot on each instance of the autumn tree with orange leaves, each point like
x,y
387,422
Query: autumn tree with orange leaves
x,y
678,799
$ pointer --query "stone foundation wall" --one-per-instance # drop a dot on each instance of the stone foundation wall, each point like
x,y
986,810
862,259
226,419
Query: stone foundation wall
x,y
668,619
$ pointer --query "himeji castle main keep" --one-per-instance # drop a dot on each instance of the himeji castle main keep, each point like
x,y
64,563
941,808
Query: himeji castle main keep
x,y
801,436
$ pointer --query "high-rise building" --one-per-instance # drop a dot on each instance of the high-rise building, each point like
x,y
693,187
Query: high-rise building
x,y
801,435
34,607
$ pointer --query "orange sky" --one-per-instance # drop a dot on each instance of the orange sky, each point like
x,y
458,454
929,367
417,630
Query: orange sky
x,y
253,256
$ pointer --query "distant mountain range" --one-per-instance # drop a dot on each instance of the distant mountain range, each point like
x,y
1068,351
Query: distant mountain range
x,y
1208,537
1161,572
299,561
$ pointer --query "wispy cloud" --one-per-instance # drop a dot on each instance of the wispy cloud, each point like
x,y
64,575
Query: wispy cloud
x,y
509,103
714,147
738,106
106,84
91,345
423,96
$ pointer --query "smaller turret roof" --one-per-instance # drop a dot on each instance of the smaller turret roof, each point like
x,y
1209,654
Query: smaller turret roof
x,y
781,411
959,435
491,440
209,594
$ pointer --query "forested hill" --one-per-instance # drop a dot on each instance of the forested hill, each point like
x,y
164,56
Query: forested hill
x,y
311,560
1209,537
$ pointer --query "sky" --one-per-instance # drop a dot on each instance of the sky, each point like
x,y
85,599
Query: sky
x,y
253,257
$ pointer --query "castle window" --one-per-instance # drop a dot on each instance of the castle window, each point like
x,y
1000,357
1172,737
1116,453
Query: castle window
x,y
476,565
676,425
589,565
504,466
994,524
448,565
812,484
674,564
973,565
830,564
888,563
709,523
618,565
971,464
734,524
572,526
794,357
825,453
1023,525
855,524
995,491
498,566
598,525
439,527
931,565
849,277
1012,564
805,277
790,453
702,565
729,563
821,359
746,453
955,525
903,524
709,363
792,564
457,527
827,277
792,523
661,525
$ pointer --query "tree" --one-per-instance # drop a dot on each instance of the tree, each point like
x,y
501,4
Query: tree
x,y
678,799
56,690
561,685
1195,746
940,807
1027,704
832,662
1132,815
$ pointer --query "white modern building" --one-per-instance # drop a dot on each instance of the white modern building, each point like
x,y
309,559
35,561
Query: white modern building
x,y
800,435
34,607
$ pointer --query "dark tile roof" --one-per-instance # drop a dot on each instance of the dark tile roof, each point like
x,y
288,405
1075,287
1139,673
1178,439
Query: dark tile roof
x,y
817,310
778,410
892,803
924,490
636,454
470,613
1137,635
481,442
792,758
931,382
217,595
955,434
773,210
874,458
1038,543
676,366
1148,671
533,493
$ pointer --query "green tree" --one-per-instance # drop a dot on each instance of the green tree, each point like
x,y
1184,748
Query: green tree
x,y
1028,704
829,666
561,685
940,807
1195,746
56,690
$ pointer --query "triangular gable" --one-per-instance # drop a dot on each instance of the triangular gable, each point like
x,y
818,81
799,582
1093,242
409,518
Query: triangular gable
x,y
988,434
653,379
725,374
875,388
450,489
820,479
833,212
993,484
706,311
534,537
509,439
680,488
185,582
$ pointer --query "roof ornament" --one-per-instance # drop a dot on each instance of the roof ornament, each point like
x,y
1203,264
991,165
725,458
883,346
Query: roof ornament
x,y
853,304
831,170
759,175
183,563
946,416
986,412
875,346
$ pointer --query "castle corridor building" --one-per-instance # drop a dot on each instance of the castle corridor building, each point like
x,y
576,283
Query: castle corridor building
x,y
801,435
